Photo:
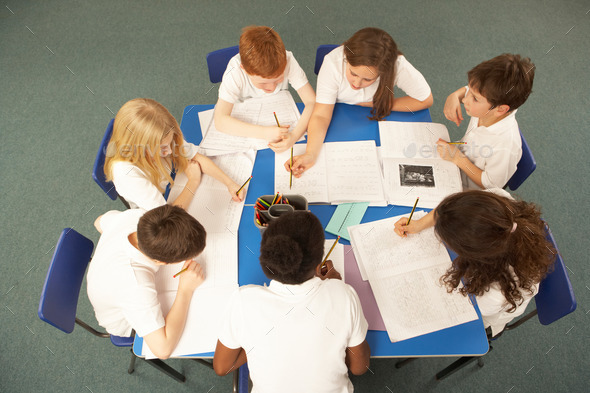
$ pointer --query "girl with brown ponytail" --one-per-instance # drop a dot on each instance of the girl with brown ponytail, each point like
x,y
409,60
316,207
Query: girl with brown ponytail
x,y
502,253
363,71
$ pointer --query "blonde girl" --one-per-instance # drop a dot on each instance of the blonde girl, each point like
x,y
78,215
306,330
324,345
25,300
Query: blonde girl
x,y
146,151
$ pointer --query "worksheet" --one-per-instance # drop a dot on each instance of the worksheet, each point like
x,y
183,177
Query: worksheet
x,y
343,172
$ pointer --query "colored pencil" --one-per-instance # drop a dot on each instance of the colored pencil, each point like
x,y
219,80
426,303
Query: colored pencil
x,y
457,143
263,202
291,170
412,213
276,119
274,199
329,252
244,185
180,272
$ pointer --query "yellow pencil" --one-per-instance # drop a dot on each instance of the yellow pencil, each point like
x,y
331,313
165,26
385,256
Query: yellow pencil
x,y
276,119
329,252
457,143
180,272
244,185
412,213
291,172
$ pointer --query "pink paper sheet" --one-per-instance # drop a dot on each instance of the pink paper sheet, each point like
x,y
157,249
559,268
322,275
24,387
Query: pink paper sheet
x,y
352,276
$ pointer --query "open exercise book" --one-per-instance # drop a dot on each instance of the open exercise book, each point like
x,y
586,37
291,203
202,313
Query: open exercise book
x,y
411,165
213,207
254,111
343,172
404,274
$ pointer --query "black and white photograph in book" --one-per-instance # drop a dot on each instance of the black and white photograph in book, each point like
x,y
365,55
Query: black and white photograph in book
x,y
416,175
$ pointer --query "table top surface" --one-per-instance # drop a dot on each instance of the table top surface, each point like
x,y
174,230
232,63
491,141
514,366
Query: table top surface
x,y
349,123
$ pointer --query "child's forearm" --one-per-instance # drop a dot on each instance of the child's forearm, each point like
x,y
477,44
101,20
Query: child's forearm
x,y
472,171
209,168
232,126
409,104
316,133
185,197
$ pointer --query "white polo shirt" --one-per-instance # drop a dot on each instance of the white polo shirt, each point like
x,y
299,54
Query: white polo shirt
x,y
236,86
496,150
120,279
493,307
135,186
295,336
333,86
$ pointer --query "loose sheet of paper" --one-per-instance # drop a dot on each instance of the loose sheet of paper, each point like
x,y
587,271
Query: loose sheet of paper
x,y
344,172
404,274
346,214
254,111
410,140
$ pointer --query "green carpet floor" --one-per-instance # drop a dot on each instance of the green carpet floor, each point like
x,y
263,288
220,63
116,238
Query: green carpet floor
x,y
67,66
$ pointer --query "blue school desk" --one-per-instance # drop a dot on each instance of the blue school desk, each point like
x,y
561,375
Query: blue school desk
x,y
349,123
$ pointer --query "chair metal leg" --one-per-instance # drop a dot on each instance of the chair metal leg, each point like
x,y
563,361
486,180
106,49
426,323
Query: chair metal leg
x,y
402,363
236,381
455,366
166,369
131,368
204,363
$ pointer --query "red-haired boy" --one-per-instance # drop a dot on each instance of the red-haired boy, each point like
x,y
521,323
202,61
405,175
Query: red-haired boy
x,y
262,68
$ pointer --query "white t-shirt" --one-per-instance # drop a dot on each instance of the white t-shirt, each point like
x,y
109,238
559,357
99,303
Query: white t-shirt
x,y
496,150
135,186
236,86
493,307
120,279
296,336
333,86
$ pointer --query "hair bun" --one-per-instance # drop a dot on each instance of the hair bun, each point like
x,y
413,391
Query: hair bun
x,y
283,248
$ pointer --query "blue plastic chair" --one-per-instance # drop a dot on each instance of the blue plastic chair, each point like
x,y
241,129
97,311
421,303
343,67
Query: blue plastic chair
x,y
59,297
98,170
524,168
217,62
321,52
554,300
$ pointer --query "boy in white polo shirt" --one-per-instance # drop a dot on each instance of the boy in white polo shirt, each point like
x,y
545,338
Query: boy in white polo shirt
x,y
493,144
304,331
262,68
121,276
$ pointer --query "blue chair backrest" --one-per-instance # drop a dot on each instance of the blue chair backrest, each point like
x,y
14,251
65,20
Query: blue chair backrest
x,y
59,298
524,168
322,51
556,296
217,62
98,169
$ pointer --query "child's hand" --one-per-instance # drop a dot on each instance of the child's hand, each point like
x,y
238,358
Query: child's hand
x,y
281,146
233,188
327,271
192,277
193,171
452,109
402,229
277,134
447,152
300,164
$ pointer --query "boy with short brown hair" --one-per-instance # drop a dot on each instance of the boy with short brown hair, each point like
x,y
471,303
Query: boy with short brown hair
x,y
262,68
493,145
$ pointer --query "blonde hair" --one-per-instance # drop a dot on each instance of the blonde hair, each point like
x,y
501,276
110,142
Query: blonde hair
x,y
140,126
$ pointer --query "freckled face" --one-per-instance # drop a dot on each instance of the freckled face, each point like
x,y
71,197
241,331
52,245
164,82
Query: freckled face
x,y
361,76
267,85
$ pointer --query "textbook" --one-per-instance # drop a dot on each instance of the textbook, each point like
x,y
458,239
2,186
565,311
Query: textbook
x,y
404,274
344,172
257,111
411,165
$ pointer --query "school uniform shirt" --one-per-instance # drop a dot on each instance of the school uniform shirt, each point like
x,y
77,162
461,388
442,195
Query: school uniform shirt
x,y
296,336
120,281
496,150
333,86
133,184
493,307
236,86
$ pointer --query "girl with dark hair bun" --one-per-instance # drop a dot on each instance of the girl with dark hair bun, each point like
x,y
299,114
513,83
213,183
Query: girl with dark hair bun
x,y
363,71
306,322
502,252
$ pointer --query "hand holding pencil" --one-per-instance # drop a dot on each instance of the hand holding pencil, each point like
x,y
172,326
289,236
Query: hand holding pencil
x,y
190,276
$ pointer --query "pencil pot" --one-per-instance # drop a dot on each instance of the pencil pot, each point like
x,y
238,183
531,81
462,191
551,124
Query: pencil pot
x,y
267,211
